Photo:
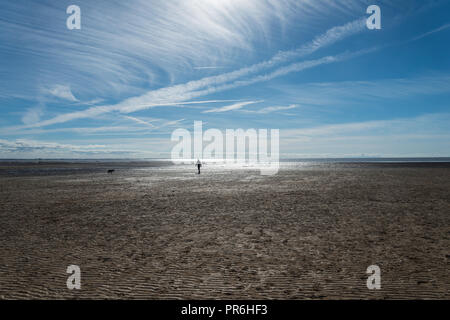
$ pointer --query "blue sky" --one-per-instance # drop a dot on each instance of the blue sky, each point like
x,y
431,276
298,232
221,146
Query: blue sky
x,y
137,70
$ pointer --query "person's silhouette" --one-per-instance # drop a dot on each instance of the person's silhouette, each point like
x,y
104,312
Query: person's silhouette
x,y
198,164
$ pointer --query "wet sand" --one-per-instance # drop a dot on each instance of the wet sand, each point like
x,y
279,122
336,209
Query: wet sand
x,y
165,233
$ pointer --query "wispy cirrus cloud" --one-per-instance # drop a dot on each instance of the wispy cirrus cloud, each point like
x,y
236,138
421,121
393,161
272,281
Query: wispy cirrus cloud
x,y
267,110
197,88
61,92
155,123
351,92
172,123
140,121
326,39
231,107
179,94
424,124
205,68
425,135
33,115
107,57
27,145
116,148
426,34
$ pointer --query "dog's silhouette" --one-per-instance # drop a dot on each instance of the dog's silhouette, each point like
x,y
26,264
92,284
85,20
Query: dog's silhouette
x,y
111,171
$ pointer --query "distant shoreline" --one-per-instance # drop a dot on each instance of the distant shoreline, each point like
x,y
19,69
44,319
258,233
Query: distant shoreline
x,y
26,167
145,160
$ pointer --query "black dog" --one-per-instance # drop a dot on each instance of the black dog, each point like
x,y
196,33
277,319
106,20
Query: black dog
x,y
111,171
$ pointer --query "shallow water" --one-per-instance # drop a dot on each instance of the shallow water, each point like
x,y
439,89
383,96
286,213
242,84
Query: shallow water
x,y
69,167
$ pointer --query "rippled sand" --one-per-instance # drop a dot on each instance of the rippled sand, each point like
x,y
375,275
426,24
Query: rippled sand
x,y
160,233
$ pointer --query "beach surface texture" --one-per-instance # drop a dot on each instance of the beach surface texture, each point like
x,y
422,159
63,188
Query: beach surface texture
x,y
165,232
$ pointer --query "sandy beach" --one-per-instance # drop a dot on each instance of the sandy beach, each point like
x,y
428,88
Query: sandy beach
x,y
164,232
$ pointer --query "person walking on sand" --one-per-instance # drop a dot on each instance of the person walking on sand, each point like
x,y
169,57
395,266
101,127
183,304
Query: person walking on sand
x,y
198,164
